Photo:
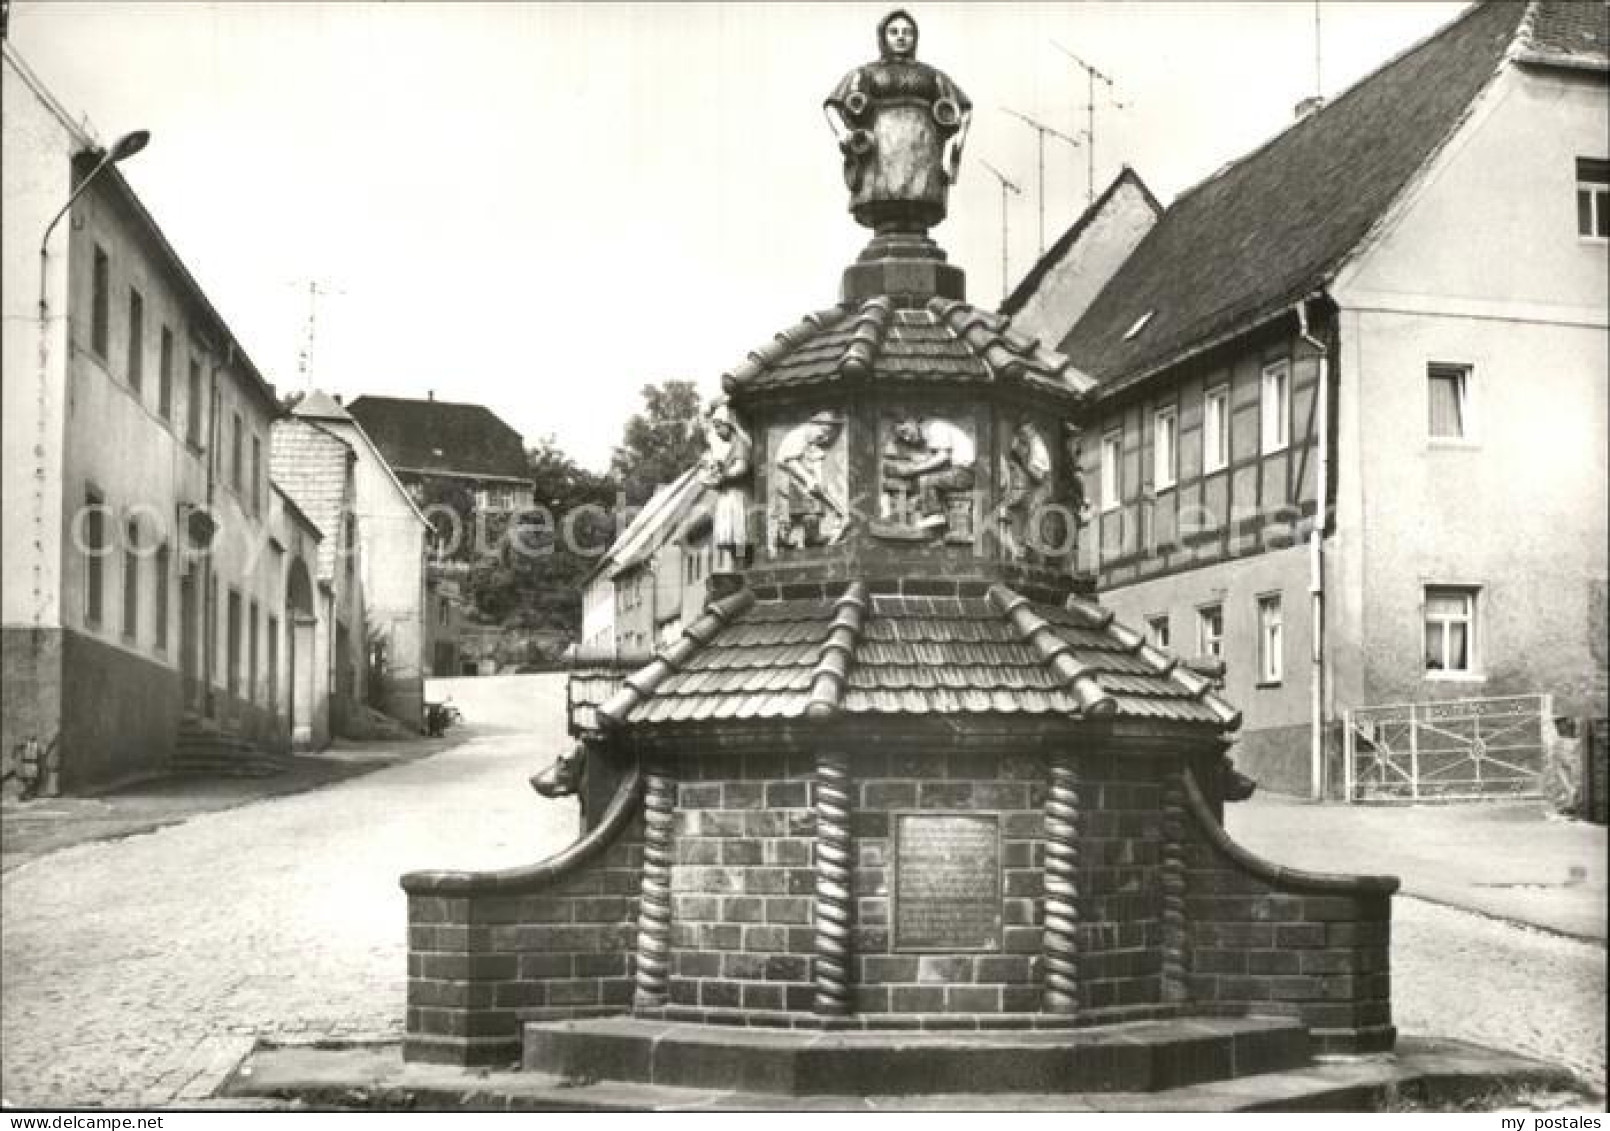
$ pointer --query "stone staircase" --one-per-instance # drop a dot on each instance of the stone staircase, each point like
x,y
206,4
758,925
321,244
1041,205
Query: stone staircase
x,y
208,749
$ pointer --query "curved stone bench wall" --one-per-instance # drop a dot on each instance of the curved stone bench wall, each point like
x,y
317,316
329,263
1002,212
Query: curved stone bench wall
x,y
1121,898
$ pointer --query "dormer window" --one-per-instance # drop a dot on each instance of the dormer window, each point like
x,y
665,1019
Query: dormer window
x,y
1140,324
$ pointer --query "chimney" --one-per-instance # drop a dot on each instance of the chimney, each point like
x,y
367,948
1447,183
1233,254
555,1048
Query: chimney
x,y
337,398
430,394
1308,105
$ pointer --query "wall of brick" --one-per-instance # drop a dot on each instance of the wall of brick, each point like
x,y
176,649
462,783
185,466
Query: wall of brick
x,y
903,981
481,964
742,884
1120,892
1264,939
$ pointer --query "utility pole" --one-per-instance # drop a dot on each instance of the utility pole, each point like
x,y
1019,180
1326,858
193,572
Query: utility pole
x,y
1005,185
1042,129
1091,76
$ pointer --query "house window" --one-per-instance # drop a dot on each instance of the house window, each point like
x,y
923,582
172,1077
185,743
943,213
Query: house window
x,y
1450,618
1593,197
193,405
1448,397
1276,406
1111,450
251,654
1270,634
1210,631
441,610
160,604
257,475
131,583
165,375
1157,630
136,339
95,549
1165,447
273,663
232,646
1216,430
100,324
235,440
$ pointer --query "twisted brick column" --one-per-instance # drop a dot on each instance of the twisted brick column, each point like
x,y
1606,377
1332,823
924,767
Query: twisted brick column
x,y
1173,881
654,902
831,969
1062,886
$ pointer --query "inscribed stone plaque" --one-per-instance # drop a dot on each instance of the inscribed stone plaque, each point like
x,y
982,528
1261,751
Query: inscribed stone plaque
x,y
947,882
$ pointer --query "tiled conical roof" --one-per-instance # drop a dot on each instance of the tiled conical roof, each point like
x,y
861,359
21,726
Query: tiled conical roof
x,y
942,341
864,654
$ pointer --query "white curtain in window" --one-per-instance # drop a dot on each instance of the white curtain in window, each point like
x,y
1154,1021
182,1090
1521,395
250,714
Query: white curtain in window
x,y
1447,403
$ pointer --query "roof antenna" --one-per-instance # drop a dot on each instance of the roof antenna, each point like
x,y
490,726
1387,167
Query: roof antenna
x,y
1042,129
1091,76
304,356
1319,86
1006,184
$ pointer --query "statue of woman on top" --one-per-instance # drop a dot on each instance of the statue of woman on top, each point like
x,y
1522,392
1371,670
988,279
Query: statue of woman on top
x,y
901,125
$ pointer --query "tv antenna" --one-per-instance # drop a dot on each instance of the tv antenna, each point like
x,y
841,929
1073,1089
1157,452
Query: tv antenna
x,y
304,356
1042,130
1006,185
1092,76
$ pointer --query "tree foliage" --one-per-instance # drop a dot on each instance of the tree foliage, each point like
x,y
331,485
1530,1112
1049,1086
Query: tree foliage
x,y
527,569
660,442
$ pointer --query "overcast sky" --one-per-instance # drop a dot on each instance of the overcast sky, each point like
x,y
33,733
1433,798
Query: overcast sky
x,y
541,207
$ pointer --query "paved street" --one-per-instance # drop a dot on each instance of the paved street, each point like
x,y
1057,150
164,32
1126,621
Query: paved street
x,y
130,966
135,968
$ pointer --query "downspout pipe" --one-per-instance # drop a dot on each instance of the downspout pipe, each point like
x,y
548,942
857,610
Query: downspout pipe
x,y
1316,559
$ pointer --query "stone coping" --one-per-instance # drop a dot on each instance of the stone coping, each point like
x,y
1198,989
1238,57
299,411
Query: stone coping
x,y
375,1077
1279,876
531,878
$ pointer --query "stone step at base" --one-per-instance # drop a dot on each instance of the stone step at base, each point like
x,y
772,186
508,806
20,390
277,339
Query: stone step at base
x,y
1142,1056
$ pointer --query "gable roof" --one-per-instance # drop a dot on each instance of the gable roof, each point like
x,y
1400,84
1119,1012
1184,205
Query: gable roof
x,y
1567,35
1268,230
1058,251
654,525
309,465
442,437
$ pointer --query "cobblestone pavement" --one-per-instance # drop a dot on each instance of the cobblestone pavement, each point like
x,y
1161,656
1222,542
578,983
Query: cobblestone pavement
x,y
1463,975
132,967
131,971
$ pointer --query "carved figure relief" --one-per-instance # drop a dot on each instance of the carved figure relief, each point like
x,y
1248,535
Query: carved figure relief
x,y
1027,486
726,469
809,503
926,480
901,126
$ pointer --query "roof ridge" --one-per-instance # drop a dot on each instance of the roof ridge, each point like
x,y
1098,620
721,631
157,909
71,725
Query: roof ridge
x,y
1336,99
838,652
784,342
1035,631
871,327
642,684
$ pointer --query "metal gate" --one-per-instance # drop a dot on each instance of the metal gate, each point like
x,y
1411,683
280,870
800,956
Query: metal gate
x,y
1458,749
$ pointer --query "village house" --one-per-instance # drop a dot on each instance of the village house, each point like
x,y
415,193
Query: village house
x,y
439,442
153,570
1351,431
386,546
318,468
439,450
652,581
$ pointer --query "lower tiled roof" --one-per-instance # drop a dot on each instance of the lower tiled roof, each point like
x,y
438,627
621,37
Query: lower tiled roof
x,y
861,655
